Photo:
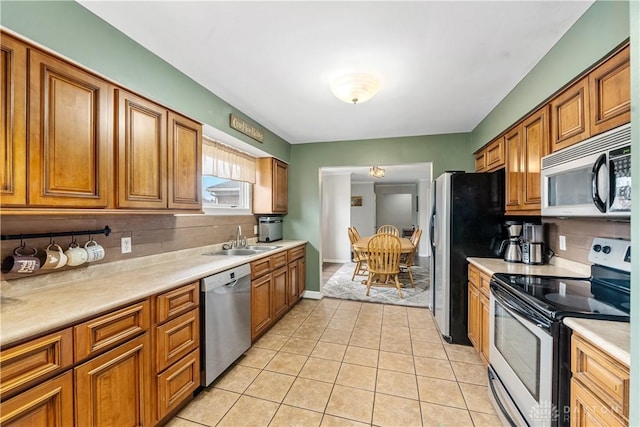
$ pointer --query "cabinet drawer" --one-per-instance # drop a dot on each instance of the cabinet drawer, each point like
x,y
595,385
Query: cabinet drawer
x,y
106,331
48,404
176,338
177,301
599,372
485,284
474,275
296,253
278,260
177,383
588,410
260,267
35,359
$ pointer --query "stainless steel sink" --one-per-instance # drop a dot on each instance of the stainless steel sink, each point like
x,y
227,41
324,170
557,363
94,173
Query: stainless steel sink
x,y
246,251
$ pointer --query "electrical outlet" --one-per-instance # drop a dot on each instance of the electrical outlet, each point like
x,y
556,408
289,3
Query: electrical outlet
x,y
125,245
562,243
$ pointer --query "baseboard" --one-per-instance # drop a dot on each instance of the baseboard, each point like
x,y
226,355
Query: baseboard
x,y
312,294
337,261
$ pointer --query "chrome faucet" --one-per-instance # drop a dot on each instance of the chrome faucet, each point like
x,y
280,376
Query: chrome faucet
x,y
241,242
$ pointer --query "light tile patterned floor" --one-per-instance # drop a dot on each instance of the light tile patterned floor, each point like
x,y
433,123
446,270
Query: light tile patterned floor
x,y
346,363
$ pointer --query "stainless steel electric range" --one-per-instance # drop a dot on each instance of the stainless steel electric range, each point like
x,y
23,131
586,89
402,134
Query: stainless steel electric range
x,y
529,354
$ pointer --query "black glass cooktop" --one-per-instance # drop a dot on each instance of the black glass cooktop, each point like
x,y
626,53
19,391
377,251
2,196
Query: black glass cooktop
x,y
558,297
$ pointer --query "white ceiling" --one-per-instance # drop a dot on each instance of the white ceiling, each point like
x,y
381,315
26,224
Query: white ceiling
x,y
393,174
443,65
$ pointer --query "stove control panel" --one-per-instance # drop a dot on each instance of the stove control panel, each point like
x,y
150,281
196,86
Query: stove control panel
x,y
614,253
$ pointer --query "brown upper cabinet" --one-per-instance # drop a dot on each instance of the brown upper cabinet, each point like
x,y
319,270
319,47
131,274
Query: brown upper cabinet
x,y
491,157
270,190
526,144
13,108
610,92
69,145
92,145
598,102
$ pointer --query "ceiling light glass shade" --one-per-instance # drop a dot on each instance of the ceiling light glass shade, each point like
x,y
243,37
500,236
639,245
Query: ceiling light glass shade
x,y
376,172
355,88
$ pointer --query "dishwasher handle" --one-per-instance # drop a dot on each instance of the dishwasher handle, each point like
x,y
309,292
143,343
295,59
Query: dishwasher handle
x,y
227,279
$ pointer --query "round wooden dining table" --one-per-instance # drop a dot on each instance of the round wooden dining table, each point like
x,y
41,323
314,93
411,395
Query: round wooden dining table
x,y
405,244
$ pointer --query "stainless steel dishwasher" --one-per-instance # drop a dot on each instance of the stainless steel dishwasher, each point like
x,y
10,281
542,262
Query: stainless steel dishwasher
x,y
226,320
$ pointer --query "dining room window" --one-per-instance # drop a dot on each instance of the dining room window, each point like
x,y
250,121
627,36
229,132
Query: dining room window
x,y
227,175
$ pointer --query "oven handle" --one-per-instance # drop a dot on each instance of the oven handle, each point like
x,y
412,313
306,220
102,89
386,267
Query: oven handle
x,y
511,304
497,399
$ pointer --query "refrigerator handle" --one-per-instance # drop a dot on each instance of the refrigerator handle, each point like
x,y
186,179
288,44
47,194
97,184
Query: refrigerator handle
x,y
432,231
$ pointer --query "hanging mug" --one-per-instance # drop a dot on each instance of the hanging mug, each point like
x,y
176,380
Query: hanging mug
x,y
94,250
23,260
76,255
54,258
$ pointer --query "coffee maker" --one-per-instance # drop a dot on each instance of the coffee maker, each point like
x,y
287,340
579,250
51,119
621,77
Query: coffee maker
x,y
533,251
511,247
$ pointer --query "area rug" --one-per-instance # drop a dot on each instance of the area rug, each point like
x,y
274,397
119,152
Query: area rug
x,y
341,286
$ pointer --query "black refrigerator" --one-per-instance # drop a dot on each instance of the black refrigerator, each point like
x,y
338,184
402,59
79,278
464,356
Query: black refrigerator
x,y
467,221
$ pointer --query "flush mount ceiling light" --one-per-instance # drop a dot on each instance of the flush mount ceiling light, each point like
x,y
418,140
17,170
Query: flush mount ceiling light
x,y
376,172
355,88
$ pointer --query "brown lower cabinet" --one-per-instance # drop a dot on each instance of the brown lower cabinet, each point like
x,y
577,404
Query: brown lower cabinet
x,y
277,282
478,311
116,369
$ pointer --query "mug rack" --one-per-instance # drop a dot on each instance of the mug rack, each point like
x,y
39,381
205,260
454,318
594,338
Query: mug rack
x,y
106,231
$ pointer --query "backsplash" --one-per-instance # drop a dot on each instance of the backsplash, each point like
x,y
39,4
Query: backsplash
x,y
580,232
150,234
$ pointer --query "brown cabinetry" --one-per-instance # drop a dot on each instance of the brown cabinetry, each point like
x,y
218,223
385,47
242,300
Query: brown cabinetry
x,y
610,93
113,389
478,311
69,142
270,189
48,404
185,164
176,348
277,282
13,116
491,157
599,386
570,116
526,144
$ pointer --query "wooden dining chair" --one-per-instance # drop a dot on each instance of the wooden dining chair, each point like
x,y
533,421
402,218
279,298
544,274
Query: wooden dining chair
x,y
390,229
406,262
383,260
359,257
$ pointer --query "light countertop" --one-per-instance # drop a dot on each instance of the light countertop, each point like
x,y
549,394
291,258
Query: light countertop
x,y
610,336
33,306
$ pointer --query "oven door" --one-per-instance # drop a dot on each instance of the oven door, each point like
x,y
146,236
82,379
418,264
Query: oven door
x,y
521,355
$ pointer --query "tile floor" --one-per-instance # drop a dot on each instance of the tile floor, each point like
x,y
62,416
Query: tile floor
x,y
345,363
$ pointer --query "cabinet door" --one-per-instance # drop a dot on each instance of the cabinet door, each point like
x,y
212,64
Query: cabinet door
x,y
177,383
260,305
280,186
480,161
176,338
569,116
302,278
142,153
49,404
495,155
472,320
514,169
13,121
610,90
279,291
69,144
185,162
588,410
114,389
485,316
535,142
293,287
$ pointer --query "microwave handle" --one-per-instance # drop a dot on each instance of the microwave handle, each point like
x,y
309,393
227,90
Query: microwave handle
x,y
597,200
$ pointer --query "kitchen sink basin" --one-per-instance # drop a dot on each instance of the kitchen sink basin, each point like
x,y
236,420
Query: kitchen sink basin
x,y
246,251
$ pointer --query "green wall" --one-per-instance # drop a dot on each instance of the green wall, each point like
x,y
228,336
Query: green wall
x,y
303,221
71,30
602,27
